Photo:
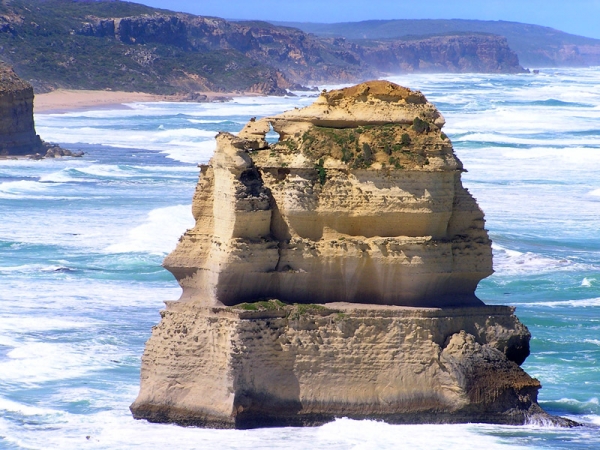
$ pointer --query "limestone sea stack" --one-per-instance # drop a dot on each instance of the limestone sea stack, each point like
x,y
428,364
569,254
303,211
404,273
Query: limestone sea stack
x,y
17,131
333,273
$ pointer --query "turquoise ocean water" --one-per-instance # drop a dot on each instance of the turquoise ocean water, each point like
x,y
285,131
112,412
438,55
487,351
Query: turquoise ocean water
x,y
82,240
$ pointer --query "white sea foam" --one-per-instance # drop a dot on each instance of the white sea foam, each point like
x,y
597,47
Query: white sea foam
x,y
38,362
205,121
112,429
590,418
26,189
34,324
507,122
25,410
81,173
532,140
239,106
583,303
54,298
32,268
151,139
509,262
61,176
370,434
572,401
17,187
159,234
196,152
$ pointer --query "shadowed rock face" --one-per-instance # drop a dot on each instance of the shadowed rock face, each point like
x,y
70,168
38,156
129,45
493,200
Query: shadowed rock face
x,y
17,132
360,200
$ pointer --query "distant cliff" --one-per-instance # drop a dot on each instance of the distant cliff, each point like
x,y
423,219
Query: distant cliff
x,y
535,45
127,46
459,53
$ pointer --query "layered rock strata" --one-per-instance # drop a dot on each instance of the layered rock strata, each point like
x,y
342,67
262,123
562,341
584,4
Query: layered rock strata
x,y
17,131
293,365
360,200
357,222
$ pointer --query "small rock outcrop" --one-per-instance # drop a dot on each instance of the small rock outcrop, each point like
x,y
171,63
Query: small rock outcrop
x,y
17,131
332,273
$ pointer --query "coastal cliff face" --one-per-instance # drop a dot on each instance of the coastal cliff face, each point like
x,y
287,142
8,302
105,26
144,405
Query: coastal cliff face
x,y
332,273
360,201
306,59
17,131
132,47
301,57
462,53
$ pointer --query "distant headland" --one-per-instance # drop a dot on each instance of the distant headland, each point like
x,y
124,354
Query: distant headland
x,y
122,46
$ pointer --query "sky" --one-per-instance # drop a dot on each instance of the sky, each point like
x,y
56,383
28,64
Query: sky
x,y
573,16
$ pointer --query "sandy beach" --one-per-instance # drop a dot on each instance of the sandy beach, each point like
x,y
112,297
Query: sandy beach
x,y
64,100
67,100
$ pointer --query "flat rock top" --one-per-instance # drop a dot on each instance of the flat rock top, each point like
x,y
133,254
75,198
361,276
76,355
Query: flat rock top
x,y
275,308
373,90
374,102
375,124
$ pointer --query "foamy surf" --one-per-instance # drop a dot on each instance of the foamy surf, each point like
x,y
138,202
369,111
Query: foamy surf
x,y
509,262
159,233
582,303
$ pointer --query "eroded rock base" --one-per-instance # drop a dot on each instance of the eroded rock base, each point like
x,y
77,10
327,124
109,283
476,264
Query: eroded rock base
x,y
269,364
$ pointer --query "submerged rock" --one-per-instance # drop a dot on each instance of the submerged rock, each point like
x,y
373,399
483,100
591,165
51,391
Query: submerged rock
x,y
357,222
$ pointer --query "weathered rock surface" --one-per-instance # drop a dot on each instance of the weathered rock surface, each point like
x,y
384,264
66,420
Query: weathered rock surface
x,y
283,365
357,222
17,131
359,201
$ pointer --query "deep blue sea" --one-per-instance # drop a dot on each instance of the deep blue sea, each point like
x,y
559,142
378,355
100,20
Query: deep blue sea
x,y
82,240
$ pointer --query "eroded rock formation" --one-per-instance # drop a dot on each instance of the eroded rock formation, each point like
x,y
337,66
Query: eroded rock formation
x,y
17,132
359,201
17,129
357,227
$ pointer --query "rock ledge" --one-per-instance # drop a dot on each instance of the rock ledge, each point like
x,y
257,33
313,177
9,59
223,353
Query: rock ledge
x,y
295,365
